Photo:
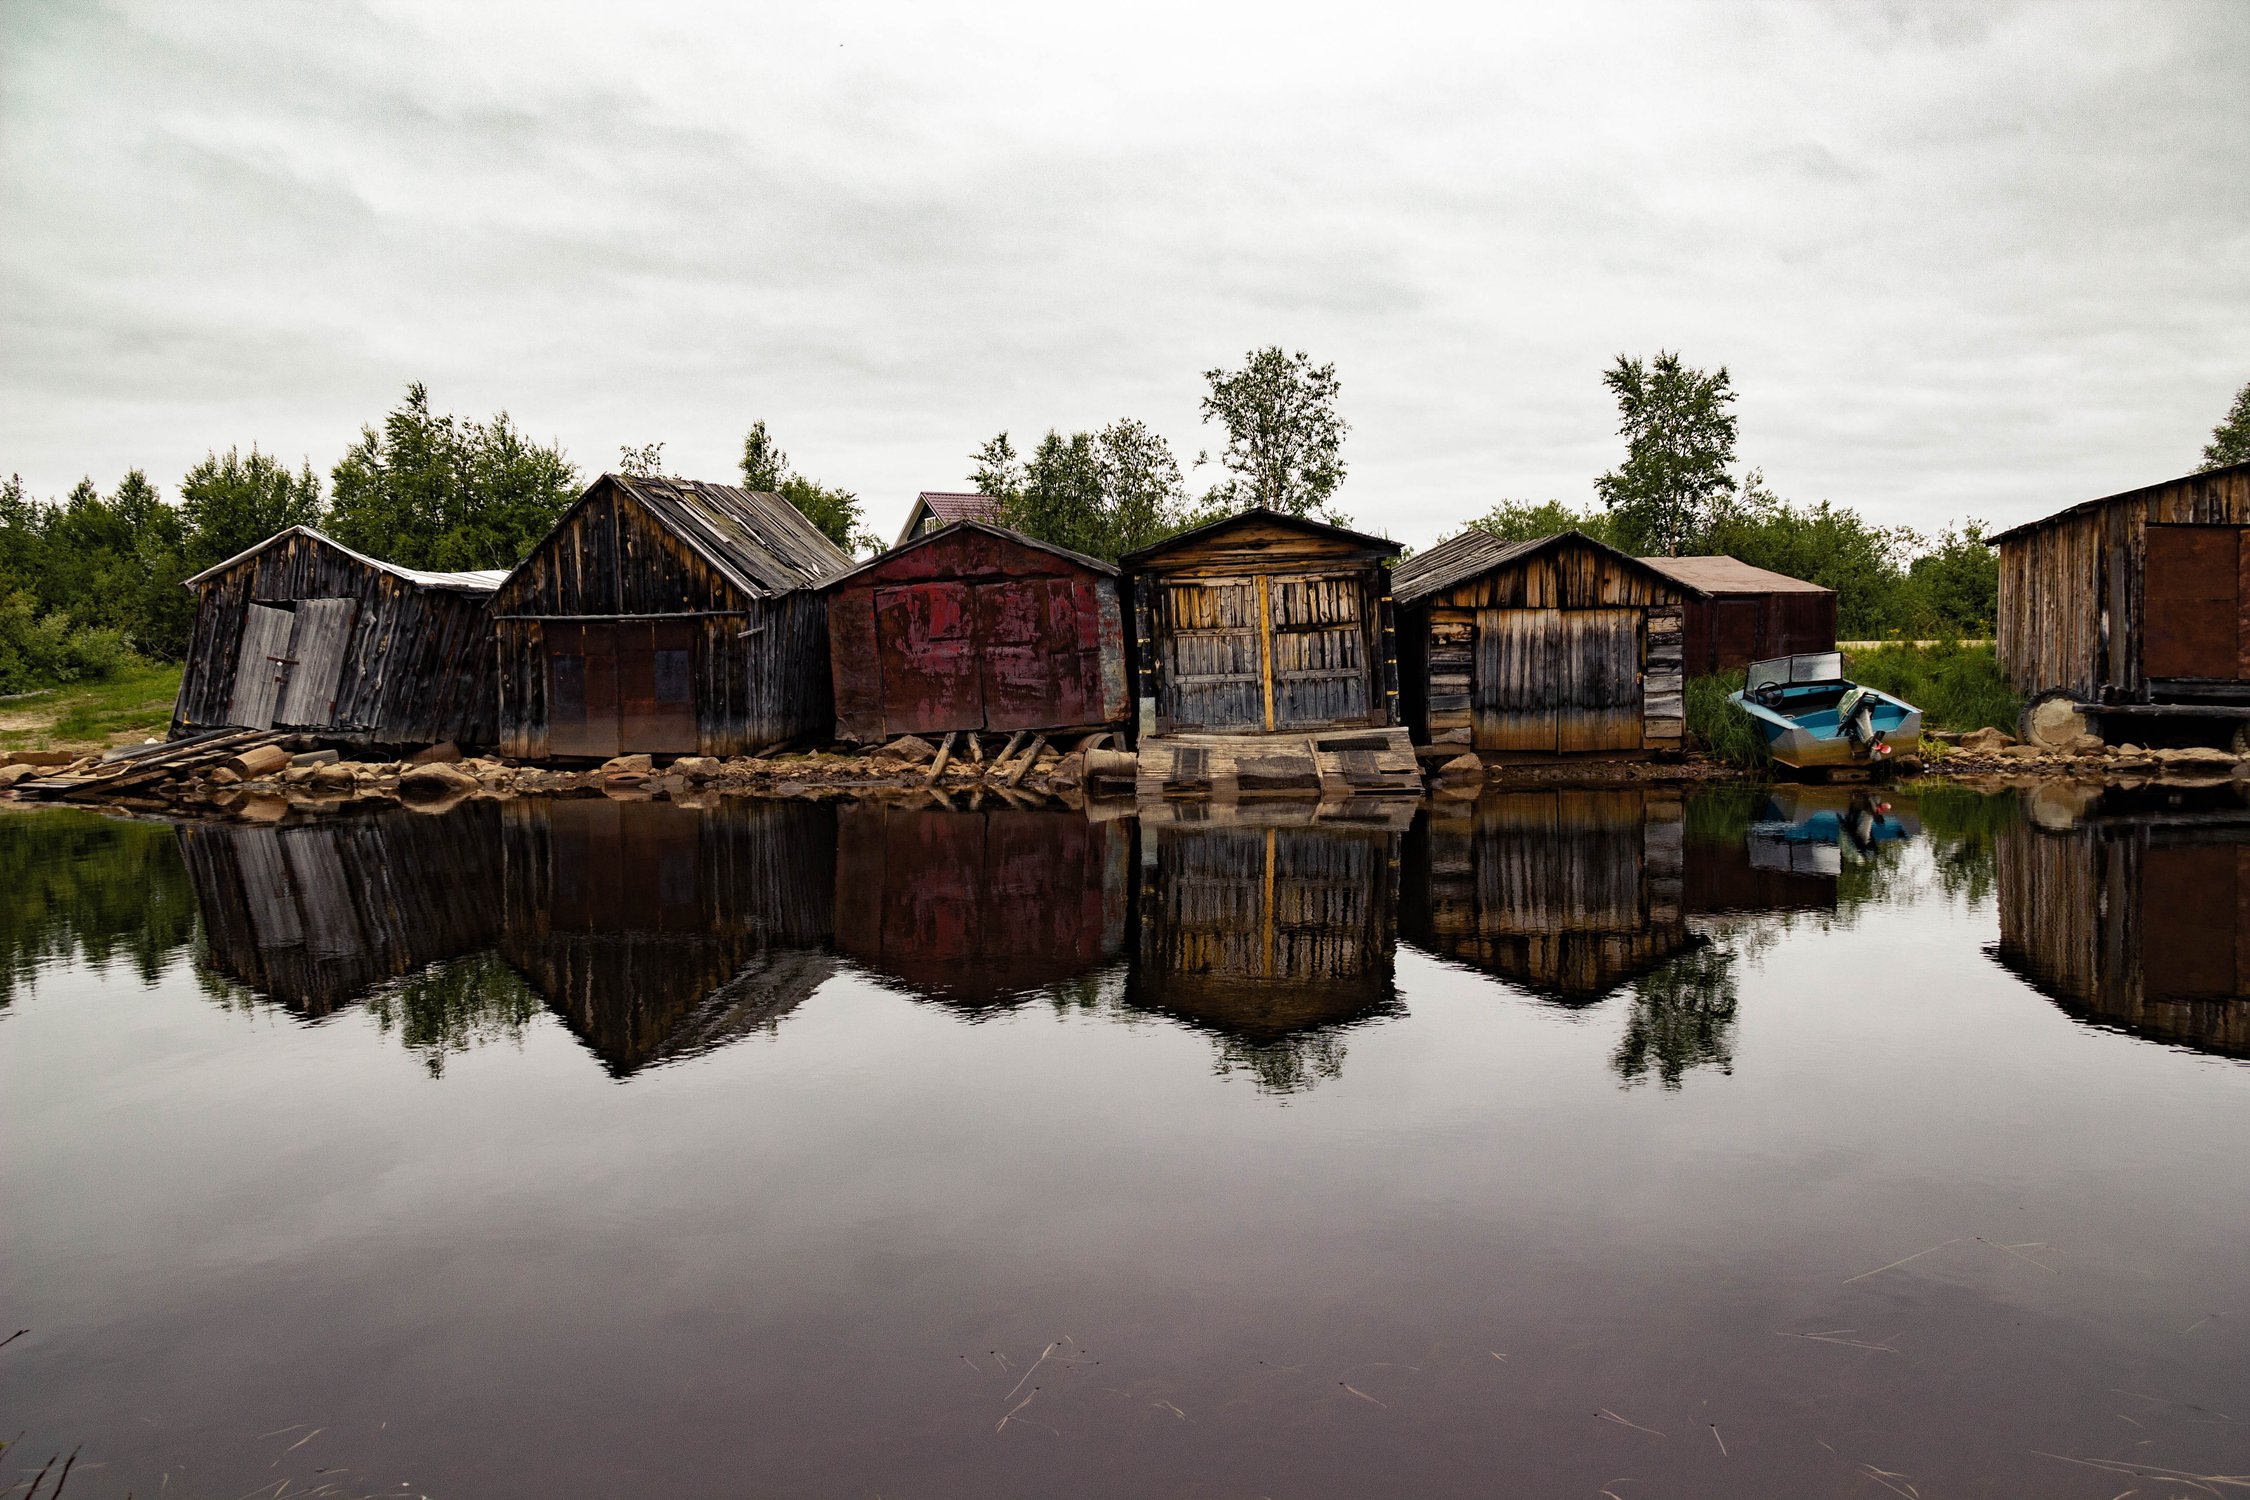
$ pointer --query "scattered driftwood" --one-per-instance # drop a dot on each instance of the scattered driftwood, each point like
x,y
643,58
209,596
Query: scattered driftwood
x,y
944,754
1030,758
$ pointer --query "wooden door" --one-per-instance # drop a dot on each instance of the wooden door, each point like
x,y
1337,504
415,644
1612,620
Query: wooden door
x,y
260,666
1319,652
656,687
1600,681
581,689
1518,666
316,647
1037,649
2191,616
924,647
1212,655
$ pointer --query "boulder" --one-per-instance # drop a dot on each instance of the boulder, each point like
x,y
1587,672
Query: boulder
x,y
335,777
912,749
2053,723
2087,744
435,779
2197,755
694,767
2017,752
10,775
435,755
1462,768
622,766
1986,741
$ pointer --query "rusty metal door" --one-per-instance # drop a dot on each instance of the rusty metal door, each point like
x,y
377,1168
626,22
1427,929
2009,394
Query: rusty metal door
x,y
656,687
581,689
1517,668
1033,663
1212,655
1319,652
2191,615
925,649
316,645
260,666
1600,682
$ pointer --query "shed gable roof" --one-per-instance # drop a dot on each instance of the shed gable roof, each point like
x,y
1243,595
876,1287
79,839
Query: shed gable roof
x,y
474,581
1256,515
954,529
2025,528
1475,553
1714,575
757,540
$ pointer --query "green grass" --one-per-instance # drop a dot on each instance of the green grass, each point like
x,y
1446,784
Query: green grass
x,y
1717,727
1956,686
134,701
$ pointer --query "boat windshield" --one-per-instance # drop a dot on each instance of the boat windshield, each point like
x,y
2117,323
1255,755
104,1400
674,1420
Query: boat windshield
x,y
1785,671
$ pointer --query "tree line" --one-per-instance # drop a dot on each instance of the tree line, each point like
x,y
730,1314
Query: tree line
x,y
92,580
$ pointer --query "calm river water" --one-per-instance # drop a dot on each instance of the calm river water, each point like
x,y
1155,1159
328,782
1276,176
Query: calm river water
x,y
1558,1144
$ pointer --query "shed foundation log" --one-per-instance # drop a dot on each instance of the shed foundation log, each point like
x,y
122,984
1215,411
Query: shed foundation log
x,y
1030,759
944,754
1015,743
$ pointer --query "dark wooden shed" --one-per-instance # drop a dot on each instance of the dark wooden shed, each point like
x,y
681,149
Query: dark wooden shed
x,y
2136,602
976,627
301,632
666,616
1266,623
1738,614
1556,645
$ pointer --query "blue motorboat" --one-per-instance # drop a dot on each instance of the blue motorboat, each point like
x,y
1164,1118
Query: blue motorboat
x,y
1811,716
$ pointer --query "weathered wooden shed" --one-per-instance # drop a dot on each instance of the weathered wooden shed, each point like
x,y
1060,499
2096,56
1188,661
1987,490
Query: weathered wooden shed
x,y
976,627
1738,614
1552,646
1266,623
301,632
666,616
2135,603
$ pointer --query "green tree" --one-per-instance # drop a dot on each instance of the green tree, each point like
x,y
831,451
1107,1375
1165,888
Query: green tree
x,y
2230,440
1679,431
231,503
1525,521
432,491
644,462
1953,585
1101,493
836,512
1285,438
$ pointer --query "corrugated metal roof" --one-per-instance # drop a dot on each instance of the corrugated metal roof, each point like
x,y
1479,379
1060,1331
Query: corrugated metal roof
x,y
475,581
1254,513
758,540
1005,533
2134,494
1729,575
954,505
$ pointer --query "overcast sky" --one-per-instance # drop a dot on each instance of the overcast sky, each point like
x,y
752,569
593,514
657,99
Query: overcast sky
x,y
1960,260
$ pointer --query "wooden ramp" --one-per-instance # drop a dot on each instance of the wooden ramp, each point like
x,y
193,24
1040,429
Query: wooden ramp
x,y
1230,767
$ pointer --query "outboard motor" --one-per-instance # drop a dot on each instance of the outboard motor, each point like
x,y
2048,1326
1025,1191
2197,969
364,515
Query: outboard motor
x,y
1855,721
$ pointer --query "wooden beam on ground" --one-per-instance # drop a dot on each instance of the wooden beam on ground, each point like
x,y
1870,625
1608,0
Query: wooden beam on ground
x,y
944,754
1030,758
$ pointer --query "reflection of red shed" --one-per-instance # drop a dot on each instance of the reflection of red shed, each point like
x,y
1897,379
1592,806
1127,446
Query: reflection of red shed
x,y
977,627
1737,614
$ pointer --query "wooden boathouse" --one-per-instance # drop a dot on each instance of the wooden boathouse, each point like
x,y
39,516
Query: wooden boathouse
x,y
1738,614
301,632
973,628
1268,655
666,616
2137,604
1558,645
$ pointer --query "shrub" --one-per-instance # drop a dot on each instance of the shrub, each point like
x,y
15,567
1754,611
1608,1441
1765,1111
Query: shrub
x,y
38,651
1955,686
1717,727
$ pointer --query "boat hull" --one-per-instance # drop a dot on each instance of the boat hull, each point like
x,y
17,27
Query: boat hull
x,y
1809,745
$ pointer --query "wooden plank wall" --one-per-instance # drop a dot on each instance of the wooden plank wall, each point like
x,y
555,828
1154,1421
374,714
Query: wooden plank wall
x,y
417,664
2059,579
1444,635
761,665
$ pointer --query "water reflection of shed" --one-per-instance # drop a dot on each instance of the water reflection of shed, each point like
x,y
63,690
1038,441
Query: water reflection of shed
x,y
316,915
667,616
658,931
975,627
1264,921
301,632
980,908
1567,893
2136,921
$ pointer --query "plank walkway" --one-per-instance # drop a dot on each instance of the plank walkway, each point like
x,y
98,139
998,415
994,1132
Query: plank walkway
x,y
1229,767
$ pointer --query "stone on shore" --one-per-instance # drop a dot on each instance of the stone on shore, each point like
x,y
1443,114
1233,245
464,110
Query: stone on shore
x,y
1986,741
622,767
912,749
435,779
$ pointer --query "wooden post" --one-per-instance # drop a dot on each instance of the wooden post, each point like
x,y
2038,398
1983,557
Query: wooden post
x,y
1030,759
1015,741
944,754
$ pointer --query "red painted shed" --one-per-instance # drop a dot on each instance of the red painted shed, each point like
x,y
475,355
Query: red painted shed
x,y
1738,614
976,627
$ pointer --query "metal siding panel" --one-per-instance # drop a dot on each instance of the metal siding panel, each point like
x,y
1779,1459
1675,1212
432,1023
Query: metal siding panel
x,y
2190,625
924,644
